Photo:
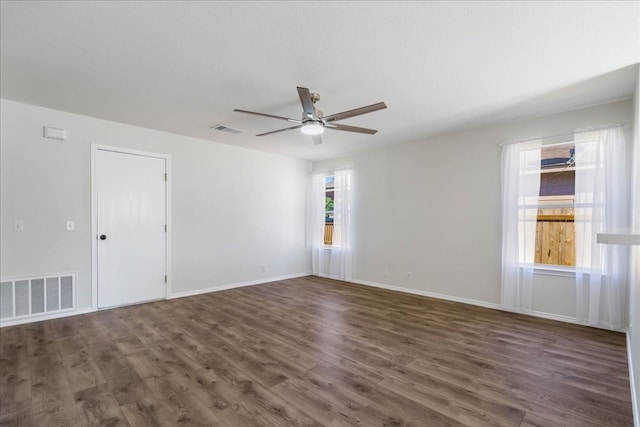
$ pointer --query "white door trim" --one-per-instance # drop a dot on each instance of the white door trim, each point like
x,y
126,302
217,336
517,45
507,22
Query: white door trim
x,y
94,216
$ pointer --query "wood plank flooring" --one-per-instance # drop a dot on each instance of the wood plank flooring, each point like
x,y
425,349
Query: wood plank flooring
x,y
312,352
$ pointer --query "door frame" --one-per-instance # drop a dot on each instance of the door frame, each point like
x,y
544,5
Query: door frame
x,y
94,215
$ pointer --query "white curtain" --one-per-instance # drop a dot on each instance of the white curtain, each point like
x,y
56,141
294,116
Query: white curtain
x,y
601,206
334,261
339,266
315,220
520,191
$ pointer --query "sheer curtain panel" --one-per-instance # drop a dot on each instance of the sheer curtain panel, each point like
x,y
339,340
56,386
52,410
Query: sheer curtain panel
x,y
520,191
601,205
339,266
331,260
315,220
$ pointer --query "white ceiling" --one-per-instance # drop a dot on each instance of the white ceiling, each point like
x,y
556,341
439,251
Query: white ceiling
x,y
182,67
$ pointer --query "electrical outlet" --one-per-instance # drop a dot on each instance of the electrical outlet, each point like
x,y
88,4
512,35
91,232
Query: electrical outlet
x,y
71,226
263,267
18,225
386,272
409,275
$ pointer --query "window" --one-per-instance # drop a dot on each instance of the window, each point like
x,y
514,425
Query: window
x,y
555,202
329,196
329,223
555,228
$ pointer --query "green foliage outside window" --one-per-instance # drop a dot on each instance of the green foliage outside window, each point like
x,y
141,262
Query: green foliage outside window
x,y
328,204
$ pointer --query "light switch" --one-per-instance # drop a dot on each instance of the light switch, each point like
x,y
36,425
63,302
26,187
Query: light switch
x,y
71,225
18,225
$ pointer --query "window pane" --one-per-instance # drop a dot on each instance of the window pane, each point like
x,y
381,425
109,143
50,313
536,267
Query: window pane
x,y
558,183
328,217
555,228
555,237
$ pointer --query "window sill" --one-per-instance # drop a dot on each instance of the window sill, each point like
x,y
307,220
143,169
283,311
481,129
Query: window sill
x,y
554,270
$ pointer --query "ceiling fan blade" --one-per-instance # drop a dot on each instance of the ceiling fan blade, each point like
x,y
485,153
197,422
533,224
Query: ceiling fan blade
x,y
279,130
317,139
337,126
268,115
355,112
307,103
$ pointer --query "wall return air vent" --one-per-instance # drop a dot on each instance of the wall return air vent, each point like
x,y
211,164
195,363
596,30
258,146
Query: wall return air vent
x,y
36,296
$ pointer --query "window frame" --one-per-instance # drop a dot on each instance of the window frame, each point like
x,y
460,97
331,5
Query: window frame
x,y
552,269
326,212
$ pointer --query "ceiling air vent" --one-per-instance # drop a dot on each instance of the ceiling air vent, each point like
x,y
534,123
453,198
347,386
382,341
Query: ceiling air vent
x,y
223,128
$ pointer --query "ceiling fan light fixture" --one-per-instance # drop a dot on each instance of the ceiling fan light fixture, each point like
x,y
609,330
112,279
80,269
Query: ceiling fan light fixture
x,y
312,129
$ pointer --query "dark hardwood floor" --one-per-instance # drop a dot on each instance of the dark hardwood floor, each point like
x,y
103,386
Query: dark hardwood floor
x,y
311,351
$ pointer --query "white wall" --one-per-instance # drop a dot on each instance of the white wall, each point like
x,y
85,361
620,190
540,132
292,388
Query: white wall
x,y
232,209
432,208
634,306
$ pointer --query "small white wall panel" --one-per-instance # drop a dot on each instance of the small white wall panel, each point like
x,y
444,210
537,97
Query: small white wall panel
x,y
6,300
67,300
22,298
53,294
37,296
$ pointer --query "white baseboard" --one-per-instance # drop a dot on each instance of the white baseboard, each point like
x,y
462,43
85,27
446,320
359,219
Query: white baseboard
x,y
635,403
557,317
32,319
478,303
235,285
36,318
429,294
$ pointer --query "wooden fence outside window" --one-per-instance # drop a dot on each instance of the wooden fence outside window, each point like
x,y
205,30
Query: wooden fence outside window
x,y
328,233
556,237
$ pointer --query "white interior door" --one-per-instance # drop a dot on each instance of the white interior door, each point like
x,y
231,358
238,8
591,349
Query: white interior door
x,y
131,217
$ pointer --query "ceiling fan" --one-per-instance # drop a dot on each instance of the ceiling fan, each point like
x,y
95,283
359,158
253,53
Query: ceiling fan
x,y
314,123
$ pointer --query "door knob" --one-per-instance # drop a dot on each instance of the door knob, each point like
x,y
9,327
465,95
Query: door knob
x,y
103,237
